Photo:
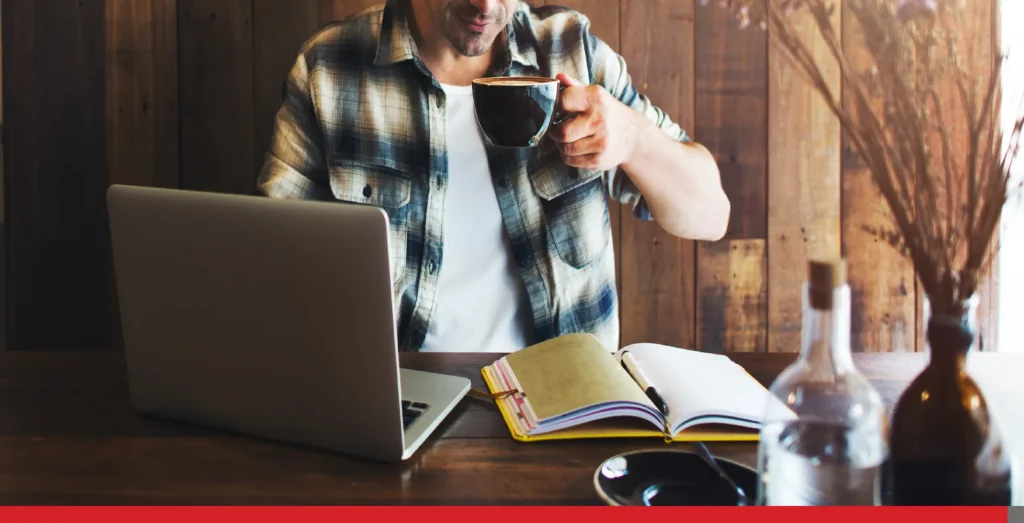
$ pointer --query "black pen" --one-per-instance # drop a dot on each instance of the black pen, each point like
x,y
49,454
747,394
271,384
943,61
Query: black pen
x,y
629,363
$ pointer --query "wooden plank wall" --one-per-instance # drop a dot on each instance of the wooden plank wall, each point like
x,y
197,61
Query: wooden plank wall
x,y
883,283
1,125
182,93
3,230
731,86
55,165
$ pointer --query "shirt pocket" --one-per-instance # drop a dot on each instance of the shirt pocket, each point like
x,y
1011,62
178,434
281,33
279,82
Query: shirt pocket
x,y
379,186
575,209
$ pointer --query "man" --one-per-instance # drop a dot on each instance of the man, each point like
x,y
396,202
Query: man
x,y
492,249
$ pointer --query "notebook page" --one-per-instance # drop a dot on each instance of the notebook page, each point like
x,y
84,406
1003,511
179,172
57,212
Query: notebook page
x,y
698,383
571,372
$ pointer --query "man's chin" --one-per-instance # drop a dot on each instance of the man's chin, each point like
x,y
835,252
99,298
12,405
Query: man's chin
x,y
471,44
473,47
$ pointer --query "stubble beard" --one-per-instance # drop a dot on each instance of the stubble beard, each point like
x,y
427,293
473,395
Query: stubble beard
x,y
471,45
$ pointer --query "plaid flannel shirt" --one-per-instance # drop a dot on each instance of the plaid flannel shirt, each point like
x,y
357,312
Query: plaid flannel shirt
x,y
363,121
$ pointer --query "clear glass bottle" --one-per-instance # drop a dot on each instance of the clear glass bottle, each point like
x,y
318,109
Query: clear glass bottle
x,y
824,440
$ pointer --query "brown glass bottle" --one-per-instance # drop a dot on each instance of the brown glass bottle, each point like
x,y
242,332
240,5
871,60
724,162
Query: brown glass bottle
x,y
944,449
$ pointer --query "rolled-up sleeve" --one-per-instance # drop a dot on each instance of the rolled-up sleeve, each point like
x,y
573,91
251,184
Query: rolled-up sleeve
x,y
294,166
608,69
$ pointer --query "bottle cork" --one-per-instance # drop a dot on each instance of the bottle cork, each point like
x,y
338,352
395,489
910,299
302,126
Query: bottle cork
x,y
824,277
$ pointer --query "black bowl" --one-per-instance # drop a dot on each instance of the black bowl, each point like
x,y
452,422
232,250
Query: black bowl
x,y
671,478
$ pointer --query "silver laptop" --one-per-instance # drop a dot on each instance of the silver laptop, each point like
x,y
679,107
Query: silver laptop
x,y
271,318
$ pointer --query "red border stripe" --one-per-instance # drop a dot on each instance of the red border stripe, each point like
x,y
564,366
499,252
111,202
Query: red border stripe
x,y
496,514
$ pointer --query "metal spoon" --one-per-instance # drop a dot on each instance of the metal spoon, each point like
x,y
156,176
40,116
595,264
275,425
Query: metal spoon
x,y
710,460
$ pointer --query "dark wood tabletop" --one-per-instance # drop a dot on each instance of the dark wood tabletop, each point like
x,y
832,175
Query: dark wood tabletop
x,y
69,435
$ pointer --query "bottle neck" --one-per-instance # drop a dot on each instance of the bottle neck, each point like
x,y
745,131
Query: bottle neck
x,y
826,331
949,340
950,329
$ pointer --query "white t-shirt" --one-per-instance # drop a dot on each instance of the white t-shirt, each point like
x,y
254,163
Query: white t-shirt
x,y
481,303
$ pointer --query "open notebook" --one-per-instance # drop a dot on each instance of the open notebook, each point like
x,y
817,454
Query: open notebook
x,y
571,387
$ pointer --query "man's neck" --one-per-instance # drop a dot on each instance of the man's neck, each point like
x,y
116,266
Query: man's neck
x,y
447,65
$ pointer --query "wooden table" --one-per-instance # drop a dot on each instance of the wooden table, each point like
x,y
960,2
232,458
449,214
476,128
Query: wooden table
x,y
68,435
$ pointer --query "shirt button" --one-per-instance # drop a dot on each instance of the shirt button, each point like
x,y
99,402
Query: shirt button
x,y
526,263
440,182
503,182
367,191
432,267
439,102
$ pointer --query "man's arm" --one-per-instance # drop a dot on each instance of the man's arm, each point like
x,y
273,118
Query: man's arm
x,y
615,127
295,167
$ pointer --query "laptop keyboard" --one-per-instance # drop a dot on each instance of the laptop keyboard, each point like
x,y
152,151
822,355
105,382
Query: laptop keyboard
x,y
411,411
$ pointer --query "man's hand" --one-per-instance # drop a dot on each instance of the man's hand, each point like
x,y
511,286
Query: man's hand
x,y
601,134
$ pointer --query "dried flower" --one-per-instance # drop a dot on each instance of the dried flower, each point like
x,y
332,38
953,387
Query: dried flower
x,y
942,163
909,9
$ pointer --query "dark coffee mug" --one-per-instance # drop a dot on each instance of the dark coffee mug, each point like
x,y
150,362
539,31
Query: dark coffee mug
x,y
517,111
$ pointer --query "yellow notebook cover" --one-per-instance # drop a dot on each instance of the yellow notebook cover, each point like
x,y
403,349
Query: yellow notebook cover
x,y
574,374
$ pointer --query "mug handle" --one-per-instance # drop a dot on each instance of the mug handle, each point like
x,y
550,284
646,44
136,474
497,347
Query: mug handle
x,y
560,117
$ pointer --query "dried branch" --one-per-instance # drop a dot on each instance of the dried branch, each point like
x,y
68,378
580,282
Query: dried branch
x,y
945,192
